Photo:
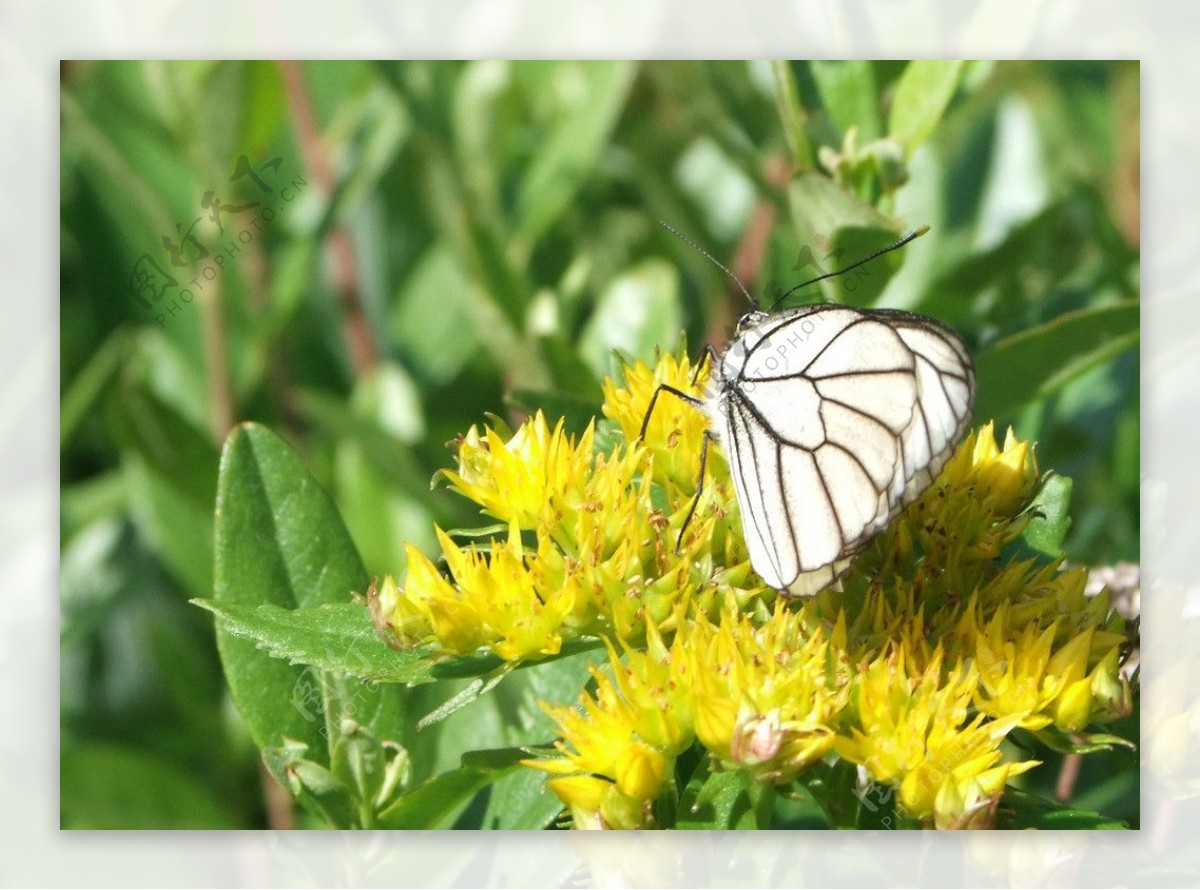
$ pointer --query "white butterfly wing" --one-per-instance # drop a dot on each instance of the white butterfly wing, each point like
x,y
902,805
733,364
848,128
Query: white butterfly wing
x,y
833,419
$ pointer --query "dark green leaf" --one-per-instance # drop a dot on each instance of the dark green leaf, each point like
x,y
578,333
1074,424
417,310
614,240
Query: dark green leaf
x,y
798,809
833,786
724,800
1019,809
436,803
1041,360
522,800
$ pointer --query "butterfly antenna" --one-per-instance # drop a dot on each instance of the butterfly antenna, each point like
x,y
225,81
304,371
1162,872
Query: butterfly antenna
x,y
900,242
712,259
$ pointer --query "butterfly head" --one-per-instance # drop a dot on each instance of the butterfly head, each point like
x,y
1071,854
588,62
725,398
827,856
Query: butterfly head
x,y
751,319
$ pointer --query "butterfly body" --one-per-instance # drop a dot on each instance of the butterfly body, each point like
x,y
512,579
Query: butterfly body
x,y
833,419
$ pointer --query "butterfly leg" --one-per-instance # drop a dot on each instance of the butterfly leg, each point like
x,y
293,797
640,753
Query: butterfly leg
x,y
698,403
678,393
687,520
708,355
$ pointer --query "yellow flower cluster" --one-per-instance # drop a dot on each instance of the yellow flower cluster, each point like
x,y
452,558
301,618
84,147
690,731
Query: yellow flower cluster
x,y
914,733
759,695
600,558
930,652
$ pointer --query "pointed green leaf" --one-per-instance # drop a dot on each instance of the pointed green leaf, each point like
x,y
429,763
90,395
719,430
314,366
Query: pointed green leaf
x,y
281,543
1089,743
437,802
849,95
922,94
1020,809
567,153
333,637
835,229
1038,361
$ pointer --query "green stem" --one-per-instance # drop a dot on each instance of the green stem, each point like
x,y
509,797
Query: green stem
x,y
792,114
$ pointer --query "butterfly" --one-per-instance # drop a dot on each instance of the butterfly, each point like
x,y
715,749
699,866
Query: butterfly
x,y
832,419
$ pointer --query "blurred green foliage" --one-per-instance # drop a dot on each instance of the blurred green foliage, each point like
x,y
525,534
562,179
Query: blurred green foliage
x,y
449,239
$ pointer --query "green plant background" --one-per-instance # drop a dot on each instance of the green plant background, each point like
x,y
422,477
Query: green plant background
x,y
493,227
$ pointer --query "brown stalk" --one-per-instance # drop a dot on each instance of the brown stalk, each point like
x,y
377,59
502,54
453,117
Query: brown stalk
x,y
359,342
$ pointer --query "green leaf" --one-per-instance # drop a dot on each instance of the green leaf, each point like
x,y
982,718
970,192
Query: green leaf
x,y
1020,810
832,786
850,96
922,94
281,543
368,138
725,800
1041,360
835,229
568,151
430,319
1048,528
821,207
495,759
638,311
467,695
313,785
84,391
437,802
333,637
798,810
170,469
1091,742
263,105
522,800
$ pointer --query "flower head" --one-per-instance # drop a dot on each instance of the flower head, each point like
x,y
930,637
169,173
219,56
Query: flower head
x,y
941,639
914,732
